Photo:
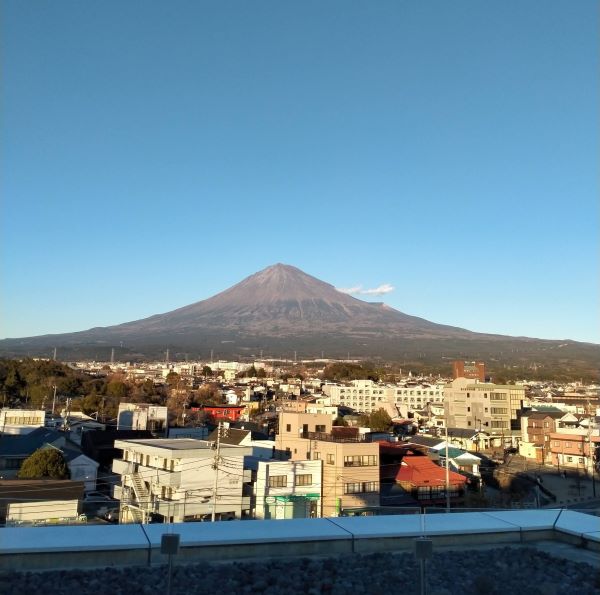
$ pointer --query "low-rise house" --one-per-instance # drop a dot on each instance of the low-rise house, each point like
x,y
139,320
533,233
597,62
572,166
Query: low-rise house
x,y
262,447
426,481
14,449
82,468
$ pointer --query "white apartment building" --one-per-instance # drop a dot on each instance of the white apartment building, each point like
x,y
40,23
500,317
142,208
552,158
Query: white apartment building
x,y
286,489
173,480
362,395
367,396
417,396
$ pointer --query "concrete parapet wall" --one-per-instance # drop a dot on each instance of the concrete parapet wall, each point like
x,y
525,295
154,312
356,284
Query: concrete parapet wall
x,y
66,547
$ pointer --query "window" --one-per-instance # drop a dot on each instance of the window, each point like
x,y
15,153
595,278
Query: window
x,y
330,459
581,459
361,487
304,479
316,456
500,411
288,427
569,459
319,428
360,460
278,481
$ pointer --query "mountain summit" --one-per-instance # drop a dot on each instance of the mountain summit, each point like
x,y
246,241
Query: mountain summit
x,y
282,299
281,309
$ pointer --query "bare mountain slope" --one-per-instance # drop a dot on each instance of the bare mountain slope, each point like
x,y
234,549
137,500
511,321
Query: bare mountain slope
x,y
282,309
282,299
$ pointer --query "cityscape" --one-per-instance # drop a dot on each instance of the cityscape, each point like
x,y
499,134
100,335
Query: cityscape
x,y
299,297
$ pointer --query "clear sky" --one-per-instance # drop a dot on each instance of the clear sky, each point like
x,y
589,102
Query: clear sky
x,y
156,152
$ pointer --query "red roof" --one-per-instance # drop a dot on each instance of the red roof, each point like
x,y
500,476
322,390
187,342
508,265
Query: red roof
x,y
422,471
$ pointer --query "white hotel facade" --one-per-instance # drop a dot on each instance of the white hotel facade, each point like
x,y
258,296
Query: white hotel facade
x,y
367,396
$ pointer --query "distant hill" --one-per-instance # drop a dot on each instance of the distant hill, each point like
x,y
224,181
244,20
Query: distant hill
x,y
280,310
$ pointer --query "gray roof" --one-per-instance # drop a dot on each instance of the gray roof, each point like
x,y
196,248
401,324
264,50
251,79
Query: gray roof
x,y
425,440
26,444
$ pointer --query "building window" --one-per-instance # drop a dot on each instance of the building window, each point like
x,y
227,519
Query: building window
x,y
278,481
330,459
304,479
580,459
361,487
569,459
317,456
319,428
360,460
288,427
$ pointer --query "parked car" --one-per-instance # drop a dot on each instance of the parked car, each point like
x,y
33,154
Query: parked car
x,y
96,497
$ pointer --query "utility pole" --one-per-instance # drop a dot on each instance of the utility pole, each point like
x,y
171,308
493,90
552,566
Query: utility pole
x,y
67,414
447,471
591,451
216,462
54,400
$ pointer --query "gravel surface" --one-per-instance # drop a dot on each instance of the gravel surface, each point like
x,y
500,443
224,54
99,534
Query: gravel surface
x,y
488,572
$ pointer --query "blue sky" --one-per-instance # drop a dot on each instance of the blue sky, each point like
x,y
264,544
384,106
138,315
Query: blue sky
x,y
156,153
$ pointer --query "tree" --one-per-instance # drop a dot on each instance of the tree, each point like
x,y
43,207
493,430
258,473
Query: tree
x,y
378,421
45,463
207,371
173,379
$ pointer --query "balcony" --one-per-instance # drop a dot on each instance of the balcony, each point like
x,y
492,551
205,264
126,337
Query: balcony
x,y
324,437
121,467
167,478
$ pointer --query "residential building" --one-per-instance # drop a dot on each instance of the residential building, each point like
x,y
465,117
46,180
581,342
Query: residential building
x,y
262,447
222,412
173,480
536,428
286,489
426,481
142,416
367,396
362,395
575,449
21,421
14,449
350,464
484,406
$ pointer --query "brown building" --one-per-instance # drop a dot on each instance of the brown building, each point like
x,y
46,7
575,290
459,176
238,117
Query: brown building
x,y
536,428
470,370
350,465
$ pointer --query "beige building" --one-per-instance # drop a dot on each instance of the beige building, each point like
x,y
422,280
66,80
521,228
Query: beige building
x,y
350,465
483,406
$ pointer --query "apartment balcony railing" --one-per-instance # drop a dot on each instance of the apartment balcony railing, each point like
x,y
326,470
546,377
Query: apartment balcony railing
x,y
325,437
